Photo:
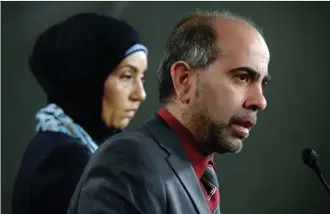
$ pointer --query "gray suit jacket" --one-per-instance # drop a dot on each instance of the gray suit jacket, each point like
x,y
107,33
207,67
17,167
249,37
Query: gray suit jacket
x,y
145,171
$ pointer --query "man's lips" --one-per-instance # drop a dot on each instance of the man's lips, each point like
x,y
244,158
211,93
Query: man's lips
x,y
243,127
246,124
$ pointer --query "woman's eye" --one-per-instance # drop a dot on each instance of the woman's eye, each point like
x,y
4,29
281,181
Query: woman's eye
x,y
126,77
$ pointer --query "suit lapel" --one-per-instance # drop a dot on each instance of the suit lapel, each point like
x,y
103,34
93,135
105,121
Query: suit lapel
x,y
178,161
185,173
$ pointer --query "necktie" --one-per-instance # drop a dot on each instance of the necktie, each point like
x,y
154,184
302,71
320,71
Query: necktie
x,y
210,182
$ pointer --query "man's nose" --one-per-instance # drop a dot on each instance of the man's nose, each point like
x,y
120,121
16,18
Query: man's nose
x,y
256,100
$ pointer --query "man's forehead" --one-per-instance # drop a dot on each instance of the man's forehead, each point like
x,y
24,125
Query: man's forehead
x,y
259,60
242,46
258,46
239,34
252,54
256,60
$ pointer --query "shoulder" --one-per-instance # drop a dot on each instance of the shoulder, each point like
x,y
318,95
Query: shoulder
x,y
126,142
127,159
49,139
127,150
136,141
56,148
122,170
50,156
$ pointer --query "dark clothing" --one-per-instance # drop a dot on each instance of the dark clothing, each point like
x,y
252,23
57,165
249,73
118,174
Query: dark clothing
x,y
141,172
50,170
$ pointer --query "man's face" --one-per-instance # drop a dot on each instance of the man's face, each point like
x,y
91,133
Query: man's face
x,y
229,93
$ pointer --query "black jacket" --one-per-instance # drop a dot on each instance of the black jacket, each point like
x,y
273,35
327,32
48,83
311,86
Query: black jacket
x,y
49,172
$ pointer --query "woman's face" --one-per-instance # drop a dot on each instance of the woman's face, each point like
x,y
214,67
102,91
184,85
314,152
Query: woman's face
x,y
124,90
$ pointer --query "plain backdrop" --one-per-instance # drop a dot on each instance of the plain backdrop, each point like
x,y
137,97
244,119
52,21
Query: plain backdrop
x,y
268,176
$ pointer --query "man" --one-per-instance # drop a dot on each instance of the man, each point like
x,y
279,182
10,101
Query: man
x,y
211,83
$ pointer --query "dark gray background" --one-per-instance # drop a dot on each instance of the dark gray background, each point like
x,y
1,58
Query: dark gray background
x,y
268,176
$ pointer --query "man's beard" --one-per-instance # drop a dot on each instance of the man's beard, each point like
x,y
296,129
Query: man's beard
x,y
213,136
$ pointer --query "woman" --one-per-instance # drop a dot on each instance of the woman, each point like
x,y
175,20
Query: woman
x,y
91,68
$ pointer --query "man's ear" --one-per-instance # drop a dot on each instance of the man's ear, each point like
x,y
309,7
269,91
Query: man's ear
x,y
181,79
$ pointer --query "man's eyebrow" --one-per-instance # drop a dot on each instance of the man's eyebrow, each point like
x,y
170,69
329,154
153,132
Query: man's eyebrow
x,y
251,72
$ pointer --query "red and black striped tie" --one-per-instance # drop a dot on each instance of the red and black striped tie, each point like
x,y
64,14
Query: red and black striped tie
x,y
210,182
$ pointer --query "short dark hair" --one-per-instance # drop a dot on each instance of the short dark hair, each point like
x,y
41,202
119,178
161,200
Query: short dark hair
x,y
194,41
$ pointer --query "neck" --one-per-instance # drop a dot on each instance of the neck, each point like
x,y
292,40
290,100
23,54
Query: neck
x,y
179,112
175,110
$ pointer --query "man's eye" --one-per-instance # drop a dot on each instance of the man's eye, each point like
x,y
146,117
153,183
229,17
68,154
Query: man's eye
x,y
243,77
143,80
264,83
